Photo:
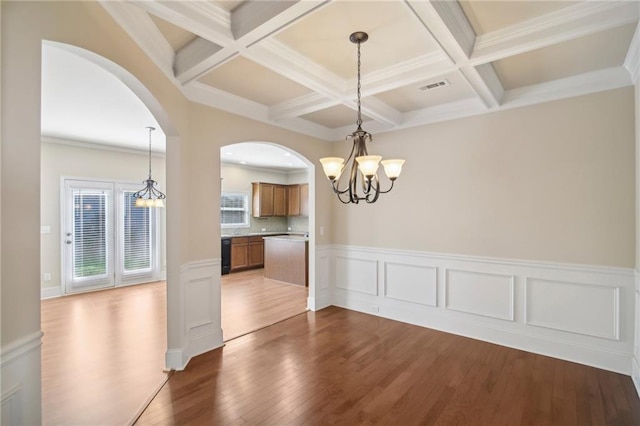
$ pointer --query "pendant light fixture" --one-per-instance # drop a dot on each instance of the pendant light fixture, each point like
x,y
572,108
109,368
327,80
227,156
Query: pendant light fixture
x,y
363,167
149,196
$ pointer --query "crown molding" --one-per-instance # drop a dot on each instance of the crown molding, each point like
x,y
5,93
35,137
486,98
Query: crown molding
x,y
632,61
565,24
207,95
583,84
86,144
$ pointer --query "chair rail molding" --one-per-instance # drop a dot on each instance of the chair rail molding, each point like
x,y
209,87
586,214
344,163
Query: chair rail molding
x,y
20,394
579,313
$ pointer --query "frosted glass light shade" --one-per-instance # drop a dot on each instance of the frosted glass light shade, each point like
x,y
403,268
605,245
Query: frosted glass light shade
x,y
147,202
392,168
332,167
368,165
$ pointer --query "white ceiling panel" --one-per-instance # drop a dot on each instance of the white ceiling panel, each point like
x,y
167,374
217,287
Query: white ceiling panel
x,y
291,64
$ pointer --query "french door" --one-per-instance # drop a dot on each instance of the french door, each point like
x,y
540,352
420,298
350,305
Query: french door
x,y
107,241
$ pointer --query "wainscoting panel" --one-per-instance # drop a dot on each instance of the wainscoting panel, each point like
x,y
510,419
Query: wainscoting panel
x,y
579,313
480,293
411,283
198,298
201,318
574,307
20,387
354,274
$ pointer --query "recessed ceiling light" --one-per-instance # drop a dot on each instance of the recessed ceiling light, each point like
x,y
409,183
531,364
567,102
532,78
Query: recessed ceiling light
x,y
228,153
287,154
243,162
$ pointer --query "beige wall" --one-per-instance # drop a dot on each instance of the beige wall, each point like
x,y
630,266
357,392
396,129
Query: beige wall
x,y
551,182
68,161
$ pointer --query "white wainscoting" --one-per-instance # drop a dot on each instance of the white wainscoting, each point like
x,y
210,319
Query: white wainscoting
x,y
635,369
578,313
321,296
20,396
201,319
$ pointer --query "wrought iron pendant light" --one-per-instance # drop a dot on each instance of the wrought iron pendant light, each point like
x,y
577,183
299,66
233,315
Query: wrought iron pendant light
x,y
363,167
149,196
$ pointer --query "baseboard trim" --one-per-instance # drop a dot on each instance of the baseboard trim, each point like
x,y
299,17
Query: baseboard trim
x,y
635,375
50,292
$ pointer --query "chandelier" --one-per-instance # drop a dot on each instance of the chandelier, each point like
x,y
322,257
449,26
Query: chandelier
x,y
367,178
149,196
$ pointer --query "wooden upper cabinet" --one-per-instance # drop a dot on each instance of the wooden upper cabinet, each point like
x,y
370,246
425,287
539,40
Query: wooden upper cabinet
x,y
304,199
271,199
263,197
279,200
293,200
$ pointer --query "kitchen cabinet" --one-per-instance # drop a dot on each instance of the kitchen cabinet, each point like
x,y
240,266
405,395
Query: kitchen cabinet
x,y
279,200
293,200
269,199
262,199
247,252
256,252
239,253
304,199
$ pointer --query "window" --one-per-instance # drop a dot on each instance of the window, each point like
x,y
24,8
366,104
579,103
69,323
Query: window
x,y
136,235
234,210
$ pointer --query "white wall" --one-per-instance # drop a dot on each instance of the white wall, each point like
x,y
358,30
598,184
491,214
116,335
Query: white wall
x,y
60,160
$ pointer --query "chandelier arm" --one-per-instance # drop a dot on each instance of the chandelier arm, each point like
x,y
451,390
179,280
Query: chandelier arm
x,y
390,188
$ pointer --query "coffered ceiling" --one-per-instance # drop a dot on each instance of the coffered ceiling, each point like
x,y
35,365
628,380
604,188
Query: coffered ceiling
x,y
291,64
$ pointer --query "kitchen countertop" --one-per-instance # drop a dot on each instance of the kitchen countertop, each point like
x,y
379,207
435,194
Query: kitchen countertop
x,y
264,234
288,237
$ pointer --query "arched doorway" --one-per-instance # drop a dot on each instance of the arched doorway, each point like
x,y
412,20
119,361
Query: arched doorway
x,y
245,168
98,349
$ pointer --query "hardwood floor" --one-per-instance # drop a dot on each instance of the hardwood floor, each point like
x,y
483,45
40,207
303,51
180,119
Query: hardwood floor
x,y
342,367
250,302
103,352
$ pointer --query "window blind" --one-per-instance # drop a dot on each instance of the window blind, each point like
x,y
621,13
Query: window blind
x,y
136,241
90,233
234,209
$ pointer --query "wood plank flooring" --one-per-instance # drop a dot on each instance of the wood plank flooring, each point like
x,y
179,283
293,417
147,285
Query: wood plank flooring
x,y
342,367
103,352
250,302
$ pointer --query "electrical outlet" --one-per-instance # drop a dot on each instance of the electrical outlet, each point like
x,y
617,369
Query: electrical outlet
x,y
264,229
47,276
375,308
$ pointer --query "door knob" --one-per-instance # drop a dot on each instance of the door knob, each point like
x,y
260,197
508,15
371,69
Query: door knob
x,y
68,241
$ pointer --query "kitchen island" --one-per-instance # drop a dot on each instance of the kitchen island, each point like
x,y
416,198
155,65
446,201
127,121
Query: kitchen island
x,y
286,259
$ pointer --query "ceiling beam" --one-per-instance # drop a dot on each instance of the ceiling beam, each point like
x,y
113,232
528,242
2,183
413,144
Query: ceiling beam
x,y
449,26
141,28
565,24
632,60
193,54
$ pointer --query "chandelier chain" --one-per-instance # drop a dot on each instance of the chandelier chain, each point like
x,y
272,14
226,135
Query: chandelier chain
x,y
150,130
359,121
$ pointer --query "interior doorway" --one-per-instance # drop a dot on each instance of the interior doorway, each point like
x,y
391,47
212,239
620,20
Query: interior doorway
x,y
253,296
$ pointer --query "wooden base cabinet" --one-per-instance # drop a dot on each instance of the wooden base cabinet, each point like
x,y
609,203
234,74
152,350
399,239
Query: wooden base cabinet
x,y
256,252
246,253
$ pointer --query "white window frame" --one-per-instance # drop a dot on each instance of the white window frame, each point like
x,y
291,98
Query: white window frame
x,y
247,215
